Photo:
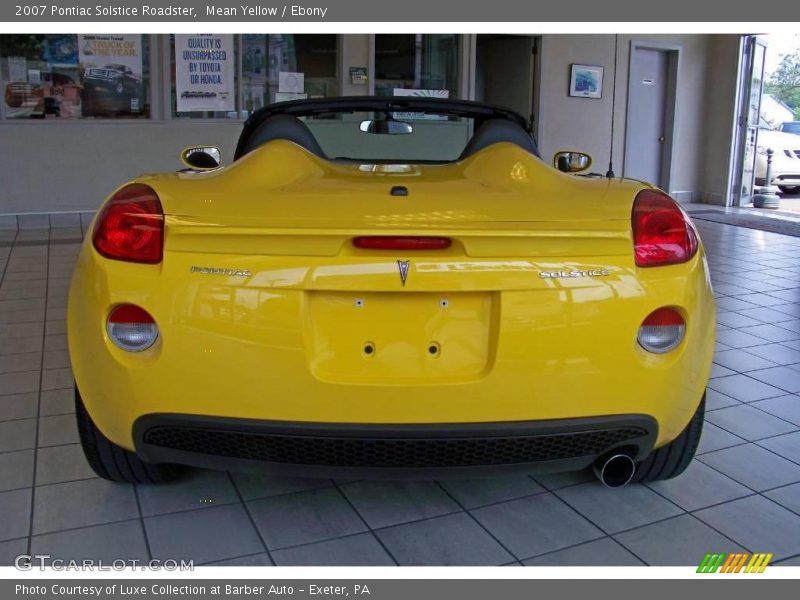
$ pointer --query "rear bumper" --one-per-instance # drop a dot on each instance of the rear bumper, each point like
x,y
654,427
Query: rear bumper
x,y
344,450
556,350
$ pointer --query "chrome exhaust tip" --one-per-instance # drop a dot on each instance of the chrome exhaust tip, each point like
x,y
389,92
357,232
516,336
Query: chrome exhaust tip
x,y
615,470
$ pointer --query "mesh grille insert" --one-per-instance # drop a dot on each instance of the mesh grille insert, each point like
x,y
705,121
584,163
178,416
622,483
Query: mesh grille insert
x,y
389,452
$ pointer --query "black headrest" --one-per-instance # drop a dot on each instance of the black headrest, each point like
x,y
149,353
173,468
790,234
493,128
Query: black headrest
x,y
494,131
283,127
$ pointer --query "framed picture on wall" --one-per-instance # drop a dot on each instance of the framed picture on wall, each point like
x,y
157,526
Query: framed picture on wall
x,y
586,81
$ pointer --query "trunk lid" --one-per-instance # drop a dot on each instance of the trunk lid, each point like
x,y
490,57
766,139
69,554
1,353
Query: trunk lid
x,y
282,200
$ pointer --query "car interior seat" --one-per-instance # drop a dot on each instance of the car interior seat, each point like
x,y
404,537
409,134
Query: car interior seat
x,y
283,127
494,131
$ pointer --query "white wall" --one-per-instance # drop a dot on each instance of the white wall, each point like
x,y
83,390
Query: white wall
x,y
721,88
703,125
566,123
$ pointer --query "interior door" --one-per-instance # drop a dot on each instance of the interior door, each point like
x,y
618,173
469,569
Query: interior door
x,y
647,103
505,69
751,84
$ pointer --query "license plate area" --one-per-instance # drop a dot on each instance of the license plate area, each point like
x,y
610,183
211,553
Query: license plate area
x,y
408,337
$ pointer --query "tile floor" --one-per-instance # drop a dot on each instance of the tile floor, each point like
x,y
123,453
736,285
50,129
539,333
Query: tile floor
x,y
742,491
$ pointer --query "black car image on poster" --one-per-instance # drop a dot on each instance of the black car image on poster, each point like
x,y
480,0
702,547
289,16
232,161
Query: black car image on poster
x,y
111,89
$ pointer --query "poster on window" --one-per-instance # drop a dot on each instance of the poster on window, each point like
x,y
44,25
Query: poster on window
x,y
204,72
111,75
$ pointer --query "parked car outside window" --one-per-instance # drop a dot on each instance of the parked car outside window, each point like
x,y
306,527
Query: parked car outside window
x,y
785,158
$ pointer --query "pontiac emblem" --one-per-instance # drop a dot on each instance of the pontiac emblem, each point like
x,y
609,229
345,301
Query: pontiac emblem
x,y
403,265
221,271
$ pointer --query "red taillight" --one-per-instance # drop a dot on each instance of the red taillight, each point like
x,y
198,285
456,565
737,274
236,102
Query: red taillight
x,y
130,226
662,233
663,317
130,313
391,242
662,330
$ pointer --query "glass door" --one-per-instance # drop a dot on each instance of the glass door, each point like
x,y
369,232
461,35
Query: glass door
x,y
751,84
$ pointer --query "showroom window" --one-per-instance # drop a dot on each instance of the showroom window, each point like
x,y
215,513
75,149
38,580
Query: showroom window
x,y
417,64
288,67
60,76
230,76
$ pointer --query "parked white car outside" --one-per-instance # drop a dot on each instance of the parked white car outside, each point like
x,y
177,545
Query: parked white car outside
x,y
785,160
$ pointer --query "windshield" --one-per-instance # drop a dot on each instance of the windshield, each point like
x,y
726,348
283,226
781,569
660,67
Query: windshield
x,y
426,137
380,129
792,127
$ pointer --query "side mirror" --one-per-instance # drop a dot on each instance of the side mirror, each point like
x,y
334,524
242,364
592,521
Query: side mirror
x,y
201,158
386,127
571,162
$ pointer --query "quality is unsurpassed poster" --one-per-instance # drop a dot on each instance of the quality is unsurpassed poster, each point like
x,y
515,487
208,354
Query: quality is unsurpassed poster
x,y
111,74
204,72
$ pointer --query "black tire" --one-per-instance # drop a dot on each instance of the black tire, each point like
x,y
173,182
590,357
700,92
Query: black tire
x,y
672,459
789,189
113,462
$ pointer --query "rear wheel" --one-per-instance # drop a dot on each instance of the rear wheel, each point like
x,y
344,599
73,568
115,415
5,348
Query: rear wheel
x,y
113,462
671,460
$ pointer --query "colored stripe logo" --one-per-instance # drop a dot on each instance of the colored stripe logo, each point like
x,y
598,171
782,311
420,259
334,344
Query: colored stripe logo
x,y
737,562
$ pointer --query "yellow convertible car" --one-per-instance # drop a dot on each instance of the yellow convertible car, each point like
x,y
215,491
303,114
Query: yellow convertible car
x,y
390,287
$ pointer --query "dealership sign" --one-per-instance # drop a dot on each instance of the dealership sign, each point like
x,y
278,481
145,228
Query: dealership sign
x,y
204,72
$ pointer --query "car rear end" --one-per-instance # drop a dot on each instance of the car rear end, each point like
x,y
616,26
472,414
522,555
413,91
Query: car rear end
x,y
498,315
